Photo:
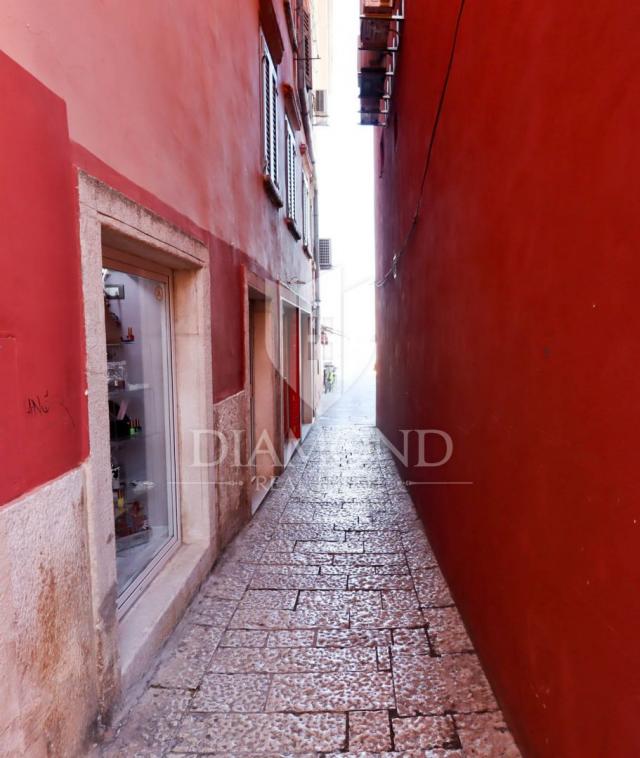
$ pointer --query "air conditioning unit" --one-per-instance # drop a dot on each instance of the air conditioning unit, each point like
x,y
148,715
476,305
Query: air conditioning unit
x,y
321,101
320,110
325,257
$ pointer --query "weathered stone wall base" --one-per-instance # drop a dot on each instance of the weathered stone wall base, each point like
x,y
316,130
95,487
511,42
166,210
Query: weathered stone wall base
x,y
47,653
232,481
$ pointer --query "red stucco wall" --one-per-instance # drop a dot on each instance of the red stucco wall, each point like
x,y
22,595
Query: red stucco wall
x,y
228,300
514,326
43,430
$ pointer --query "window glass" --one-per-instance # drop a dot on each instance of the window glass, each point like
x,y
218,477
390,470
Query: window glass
x,y
137,319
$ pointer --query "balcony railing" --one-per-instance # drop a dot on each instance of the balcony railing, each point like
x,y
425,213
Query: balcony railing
x,y
380,33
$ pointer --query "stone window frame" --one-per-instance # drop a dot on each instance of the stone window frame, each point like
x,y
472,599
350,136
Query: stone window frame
x,y
127,642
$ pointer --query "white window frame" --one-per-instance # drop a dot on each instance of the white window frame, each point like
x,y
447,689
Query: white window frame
x,y
292,174
270,110
307,213
123,262
151,243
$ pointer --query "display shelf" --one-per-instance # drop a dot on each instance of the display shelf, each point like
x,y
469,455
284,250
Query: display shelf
x,y
124,440
127,486
128,392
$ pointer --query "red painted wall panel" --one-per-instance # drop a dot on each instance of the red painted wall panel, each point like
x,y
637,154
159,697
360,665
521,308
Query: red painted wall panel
x,y
43,429
514,326
227,320
293,421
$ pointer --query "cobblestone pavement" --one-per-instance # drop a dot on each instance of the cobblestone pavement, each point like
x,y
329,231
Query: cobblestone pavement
x,y
325,629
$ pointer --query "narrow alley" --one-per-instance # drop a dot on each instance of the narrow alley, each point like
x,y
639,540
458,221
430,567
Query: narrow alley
x,y
319,369
325,628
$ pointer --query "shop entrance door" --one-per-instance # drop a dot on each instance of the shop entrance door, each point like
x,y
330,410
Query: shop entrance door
x,y
291,373
262,384
306,368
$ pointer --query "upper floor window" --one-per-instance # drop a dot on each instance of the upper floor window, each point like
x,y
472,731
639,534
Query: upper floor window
x,y
307,214
292,183
269,115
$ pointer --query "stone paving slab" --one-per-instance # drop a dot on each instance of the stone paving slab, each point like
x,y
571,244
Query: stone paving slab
x,y
292,660
446,631
257,618
339,600
380,582
424,732
402,754
326,629
152,731
236,693
270,599
370,730
259,733
485,734
353,637
426,685
294,638
185,664
279,580
387,619
340,691
431,588
244,638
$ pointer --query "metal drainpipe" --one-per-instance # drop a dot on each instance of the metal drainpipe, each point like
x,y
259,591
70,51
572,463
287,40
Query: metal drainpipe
x,y
316,236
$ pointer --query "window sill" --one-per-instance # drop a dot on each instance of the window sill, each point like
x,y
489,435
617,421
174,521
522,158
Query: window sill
x,y
272,191
291,225
156,611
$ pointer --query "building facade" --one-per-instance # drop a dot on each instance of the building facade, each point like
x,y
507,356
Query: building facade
x,y
159,333
508,226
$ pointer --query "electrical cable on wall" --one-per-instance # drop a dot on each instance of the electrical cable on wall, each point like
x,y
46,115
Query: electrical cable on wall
x,y
392,272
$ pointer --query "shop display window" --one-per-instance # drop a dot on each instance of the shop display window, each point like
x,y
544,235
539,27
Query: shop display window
x,y
141,403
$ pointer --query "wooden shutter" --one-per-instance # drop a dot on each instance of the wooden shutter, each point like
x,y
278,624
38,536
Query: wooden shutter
x,y
307,49
270,115
274,125
291,174
305,215
294,181
266,114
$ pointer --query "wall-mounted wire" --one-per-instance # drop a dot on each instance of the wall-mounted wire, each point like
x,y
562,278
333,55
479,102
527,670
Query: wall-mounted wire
x,y
392,271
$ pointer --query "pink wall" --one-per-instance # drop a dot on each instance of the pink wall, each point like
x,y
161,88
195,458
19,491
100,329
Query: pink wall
x,y
514,326
168,95
163,102
43,427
